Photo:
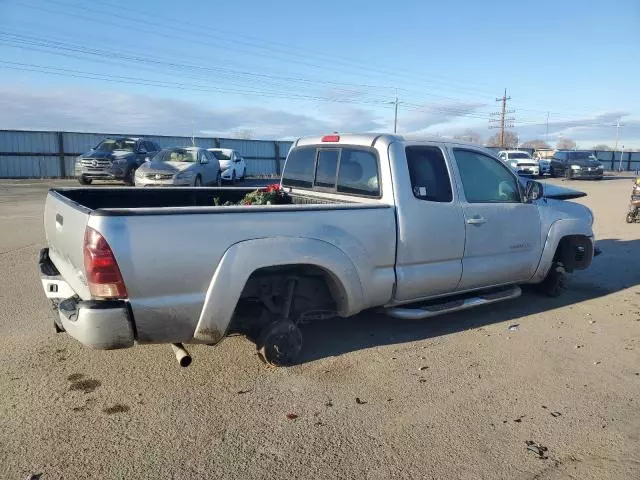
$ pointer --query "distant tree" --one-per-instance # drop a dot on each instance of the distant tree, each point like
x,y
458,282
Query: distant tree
x,y
510,140
566,144
469,136
246,134
535,144
602,147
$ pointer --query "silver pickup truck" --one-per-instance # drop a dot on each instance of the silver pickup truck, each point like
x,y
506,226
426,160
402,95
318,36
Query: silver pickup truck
x,y
412,228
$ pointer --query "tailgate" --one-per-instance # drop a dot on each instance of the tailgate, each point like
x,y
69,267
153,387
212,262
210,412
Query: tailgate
x,y
64,225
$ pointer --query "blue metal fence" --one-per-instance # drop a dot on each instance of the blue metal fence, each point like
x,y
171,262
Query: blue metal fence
x,y
38,154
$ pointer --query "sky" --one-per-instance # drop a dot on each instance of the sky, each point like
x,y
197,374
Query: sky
x,y
282,69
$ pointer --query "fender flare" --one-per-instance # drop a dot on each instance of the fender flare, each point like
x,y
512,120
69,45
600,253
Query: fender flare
x,y
242,259
558,230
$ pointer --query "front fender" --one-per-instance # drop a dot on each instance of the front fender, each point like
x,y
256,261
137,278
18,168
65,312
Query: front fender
x,y
244,258
558,230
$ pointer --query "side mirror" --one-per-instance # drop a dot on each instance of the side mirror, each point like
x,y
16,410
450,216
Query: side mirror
x,y
534,190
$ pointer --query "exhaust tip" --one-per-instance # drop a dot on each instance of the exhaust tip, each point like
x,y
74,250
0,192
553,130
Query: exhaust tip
x,y
183,357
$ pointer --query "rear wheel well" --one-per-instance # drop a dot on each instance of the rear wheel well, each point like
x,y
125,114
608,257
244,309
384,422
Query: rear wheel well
x,y
263,297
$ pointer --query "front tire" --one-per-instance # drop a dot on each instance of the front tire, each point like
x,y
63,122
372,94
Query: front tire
x,y
233,178
219,179
244,173
84,181
555,283
198,181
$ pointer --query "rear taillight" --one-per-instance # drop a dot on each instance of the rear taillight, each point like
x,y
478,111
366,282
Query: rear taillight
x,y
103,275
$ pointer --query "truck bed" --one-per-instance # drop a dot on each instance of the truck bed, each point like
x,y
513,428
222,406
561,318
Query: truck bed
x,y
127,201
169,244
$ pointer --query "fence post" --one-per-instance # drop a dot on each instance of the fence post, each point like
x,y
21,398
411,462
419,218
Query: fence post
x,y
63,167
276,149
629,161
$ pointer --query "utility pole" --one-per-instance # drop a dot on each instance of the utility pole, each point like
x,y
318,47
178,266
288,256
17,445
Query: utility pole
x,y
548,126
503,121
618,125
621,155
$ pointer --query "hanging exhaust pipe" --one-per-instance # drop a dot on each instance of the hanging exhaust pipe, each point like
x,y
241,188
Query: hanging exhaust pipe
x,y
183,357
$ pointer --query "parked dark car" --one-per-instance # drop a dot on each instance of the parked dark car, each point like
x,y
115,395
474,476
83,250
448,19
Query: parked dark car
x,y
114,159
576,164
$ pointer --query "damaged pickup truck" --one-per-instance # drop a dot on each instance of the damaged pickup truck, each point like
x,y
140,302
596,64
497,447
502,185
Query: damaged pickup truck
x,y
412,228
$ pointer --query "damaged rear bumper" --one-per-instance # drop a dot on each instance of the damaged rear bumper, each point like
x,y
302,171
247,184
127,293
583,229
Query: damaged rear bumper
x,y
103,324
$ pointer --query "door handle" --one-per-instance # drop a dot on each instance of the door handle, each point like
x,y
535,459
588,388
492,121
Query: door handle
x,y
476,220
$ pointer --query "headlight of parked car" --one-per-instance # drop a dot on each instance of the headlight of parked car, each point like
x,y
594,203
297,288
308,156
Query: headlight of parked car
x,y
184,175
575,167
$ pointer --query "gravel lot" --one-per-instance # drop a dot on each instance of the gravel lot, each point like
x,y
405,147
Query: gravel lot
x,y
451,397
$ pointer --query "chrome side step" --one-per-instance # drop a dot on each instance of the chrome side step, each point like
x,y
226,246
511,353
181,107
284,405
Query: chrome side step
x,y
432,309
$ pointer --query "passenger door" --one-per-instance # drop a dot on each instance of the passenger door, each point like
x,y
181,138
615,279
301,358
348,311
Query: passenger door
x,y
208,169
241,169
235,163
431,228
503,236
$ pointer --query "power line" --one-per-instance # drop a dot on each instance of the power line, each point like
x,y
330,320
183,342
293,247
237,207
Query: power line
x,y
97,55
163,84
351,65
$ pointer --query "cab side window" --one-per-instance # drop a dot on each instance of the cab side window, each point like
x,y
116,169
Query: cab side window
x,y
430,179
485,179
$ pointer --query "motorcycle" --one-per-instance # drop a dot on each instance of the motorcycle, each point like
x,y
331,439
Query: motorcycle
x,y
634,206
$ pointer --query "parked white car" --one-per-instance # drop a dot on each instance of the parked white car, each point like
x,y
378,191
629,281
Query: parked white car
x,y
180,166
520,162
232,164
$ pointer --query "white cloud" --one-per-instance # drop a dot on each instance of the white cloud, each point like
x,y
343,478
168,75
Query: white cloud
x,y
422,119
589,130
89,110
99,110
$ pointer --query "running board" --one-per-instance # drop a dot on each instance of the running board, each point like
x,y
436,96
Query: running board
x,y
448,305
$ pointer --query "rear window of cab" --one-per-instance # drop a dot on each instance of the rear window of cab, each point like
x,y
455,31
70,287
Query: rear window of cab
x,y
348,170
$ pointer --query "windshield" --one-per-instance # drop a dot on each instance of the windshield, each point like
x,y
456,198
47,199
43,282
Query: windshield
x,y
581,156
220,155
519,155
110,145
176,155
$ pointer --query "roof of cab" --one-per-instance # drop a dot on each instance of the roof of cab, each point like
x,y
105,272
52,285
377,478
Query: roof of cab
x,y
368,139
